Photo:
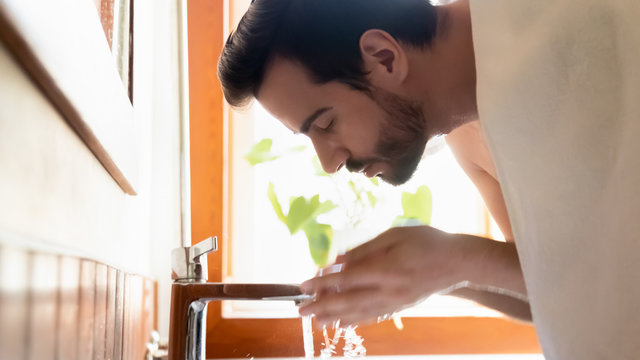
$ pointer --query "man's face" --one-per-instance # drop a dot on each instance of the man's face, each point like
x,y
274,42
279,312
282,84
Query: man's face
x,y
377,133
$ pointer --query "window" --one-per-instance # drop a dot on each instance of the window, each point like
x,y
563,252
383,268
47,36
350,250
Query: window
x,y
263,249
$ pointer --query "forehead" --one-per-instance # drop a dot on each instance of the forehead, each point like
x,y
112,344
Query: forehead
x,y
289,94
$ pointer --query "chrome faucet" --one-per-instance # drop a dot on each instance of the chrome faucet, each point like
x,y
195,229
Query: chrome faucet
x,y
190,294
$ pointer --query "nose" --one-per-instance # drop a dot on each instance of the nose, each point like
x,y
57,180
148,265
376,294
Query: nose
x,y
332,156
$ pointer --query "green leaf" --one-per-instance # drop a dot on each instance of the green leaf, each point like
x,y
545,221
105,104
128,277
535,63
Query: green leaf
x,y
314,202
372,199
319,237
324,207
260,152
300,211
271,194
418,205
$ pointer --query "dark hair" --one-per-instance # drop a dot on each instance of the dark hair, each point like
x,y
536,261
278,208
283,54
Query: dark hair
x,y
322,35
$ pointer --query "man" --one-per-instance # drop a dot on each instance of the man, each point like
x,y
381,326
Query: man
x,y
556,88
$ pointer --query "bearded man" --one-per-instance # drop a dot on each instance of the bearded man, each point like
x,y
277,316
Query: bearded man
x,y
556,88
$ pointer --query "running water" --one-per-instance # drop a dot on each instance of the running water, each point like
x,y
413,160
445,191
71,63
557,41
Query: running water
x,y
307,337
352,342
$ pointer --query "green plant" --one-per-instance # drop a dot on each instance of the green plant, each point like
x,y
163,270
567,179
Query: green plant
x,y
261,152
416,207
357,195
302,215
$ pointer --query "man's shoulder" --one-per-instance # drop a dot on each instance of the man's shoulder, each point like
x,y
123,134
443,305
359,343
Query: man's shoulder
x,y
469,146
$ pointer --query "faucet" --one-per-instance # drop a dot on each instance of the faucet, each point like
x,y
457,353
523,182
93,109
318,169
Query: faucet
x,y
190,294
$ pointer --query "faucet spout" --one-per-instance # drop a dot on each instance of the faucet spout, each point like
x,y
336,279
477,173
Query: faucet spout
x,y
188,310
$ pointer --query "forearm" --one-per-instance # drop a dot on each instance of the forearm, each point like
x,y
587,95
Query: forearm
x,y
493,277
508,305
493,266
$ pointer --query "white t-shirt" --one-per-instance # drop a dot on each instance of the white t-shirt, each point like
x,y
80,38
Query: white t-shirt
x,y
559,101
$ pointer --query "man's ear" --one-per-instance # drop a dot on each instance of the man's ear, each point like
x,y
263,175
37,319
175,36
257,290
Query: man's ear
x,y
384,59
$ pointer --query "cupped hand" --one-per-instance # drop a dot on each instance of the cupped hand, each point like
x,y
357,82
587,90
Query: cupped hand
x,y
393,271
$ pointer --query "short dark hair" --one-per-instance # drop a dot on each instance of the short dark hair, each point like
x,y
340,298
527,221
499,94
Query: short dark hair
x,y
322,35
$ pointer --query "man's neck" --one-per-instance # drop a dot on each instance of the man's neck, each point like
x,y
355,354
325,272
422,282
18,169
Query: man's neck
x,y
444,74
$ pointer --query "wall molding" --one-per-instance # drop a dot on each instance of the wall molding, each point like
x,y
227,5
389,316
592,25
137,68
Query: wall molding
x,y
62,48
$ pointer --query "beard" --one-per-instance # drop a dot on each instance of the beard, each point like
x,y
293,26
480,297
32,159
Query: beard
x,y
401,141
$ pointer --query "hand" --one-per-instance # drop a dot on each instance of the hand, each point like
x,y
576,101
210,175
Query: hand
x,y
393,271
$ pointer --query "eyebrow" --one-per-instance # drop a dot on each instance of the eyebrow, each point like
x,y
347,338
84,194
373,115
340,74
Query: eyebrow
x,y
307,123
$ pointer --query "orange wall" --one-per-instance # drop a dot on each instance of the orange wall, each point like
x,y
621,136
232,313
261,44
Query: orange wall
x,y
206,119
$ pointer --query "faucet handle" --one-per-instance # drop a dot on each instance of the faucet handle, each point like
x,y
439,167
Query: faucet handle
x,y
202,248
188,264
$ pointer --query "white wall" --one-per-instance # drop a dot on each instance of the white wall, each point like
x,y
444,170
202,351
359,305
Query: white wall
x,y
54,194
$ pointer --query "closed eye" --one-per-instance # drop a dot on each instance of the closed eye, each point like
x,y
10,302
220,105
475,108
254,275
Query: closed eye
x,y
326,123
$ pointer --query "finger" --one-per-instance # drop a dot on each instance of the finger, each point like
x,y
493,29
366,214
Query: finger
x,y
375,312
330,269
338,303
374,301
335,307
340,259
337,266
355,277
363,317
370,310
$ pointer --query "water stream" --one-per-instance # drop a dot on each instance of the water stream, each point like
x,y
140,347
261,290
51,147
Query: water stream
x,y
307,336
353,346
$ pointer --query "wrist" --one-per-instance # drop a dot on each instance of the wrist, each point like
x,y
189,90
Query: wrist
x,y
491,264
474,255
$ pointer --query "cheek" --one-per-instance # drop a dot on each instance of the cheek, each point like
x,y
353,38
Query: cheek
x,y
365,125
363,121
363,138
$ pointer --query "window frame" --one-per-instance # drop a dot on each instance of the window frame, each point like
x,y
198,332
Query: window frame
x,y
210,183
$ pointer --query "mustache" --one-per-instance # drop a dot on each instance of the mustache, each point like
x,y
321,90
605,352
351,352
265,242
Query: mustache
x,y
357,165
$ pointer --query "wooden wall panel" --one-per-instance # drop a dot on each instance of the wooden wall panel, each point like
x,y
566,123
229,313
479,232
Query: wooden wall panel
x,y
110,325
137,325
68,295
149,309
119,316
127,318
133,321
14,288
63,307
43,307
100,312
86,309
